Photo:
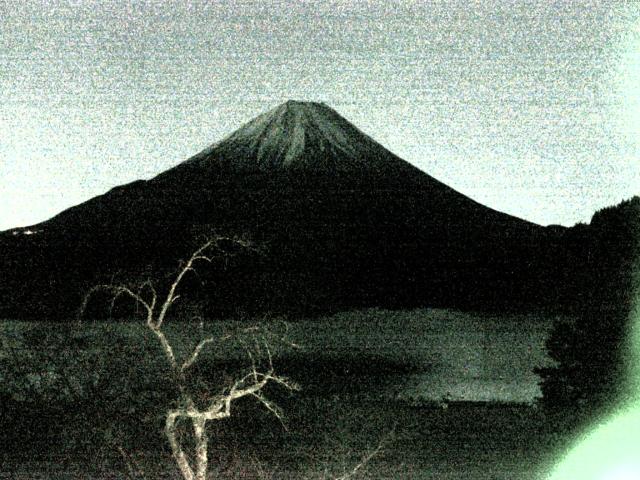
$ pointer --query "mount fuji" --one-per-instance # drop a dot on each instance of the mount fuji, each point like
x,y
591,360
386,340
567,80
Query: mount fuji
x,y
342,223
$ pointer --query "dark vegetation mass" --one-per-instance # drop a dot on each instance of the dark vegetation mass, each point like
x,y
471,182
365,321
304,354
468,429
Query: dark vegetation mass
x,y
600,280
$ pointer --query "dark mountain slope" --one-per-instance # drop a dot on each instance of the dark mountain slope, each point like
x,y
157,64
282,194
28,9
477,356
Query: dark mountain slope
x,y
344,223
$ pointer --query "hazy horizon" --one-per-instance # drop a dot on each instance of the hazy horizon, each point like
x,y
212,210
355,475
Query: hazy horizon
x,y
530,108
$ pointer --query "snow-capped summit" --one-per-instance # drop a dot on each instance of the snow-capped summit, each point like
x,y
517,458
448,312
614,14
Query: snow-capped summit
x,y
301,135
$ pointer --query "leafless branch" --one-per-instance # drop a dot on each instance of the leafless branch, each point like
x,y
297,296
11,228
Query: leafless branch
x,y
219,407
360,465
166,347
365,459
133,468
196,352
272,407
117,291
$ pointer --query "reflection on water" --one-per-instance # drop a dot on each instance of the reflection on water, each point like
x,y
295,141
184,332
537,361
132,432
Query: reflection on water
x,y
425,387
458,355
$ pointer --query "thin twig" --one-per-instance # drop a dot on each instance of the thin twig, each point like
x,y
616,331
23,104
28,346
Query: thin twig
x,y
194,356
365,460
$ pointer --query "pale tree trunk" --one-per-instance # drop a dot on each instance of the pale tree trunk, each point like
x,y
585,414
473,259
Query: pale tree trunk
x,y
176,449
199,424
200,434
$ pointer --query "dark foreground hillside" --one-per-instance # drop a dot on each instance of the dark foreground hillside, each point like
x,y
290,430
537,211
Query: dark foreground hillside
x,y
328,437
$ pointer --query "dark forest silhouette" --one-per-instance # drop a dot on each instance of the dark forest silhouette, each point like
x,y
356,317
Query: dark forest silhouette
x,y
601,267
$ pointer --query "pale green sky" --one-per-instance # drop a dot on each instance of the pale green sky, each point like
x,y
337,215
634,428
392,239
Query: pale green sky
x,y
532,108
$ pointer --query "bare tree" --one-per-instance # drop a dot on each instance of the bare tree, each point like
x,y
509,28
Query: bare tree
x,y
195,411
